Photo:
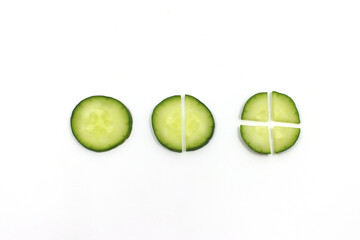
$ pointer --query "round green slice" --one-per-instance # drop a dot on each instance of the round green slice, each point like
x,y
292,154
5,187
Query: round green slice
x,y
284,138
284,108
199,123
256,108
256,137
167,123
101,123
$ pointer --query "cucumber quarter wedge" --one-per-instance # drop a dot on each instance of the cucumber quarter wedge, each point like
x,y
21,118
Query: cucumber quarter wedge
x,y
284,138
284,109
101,123
256,137
167,123
199,123
179,125
256,108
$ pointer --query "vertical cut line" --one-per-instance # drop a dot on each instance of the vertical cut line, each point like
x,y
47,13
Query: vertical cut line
x,y
271,140
270,106
183,124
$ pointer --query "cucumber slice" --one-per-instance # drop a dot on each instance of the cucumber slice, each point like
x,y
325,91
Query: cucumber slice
x,y
199,123
284,109
167,123
256,108
101,123
284,138
256,137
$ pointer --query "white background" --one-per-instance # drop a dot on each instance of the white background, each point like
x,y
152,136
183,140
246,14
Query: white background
x,y
55,53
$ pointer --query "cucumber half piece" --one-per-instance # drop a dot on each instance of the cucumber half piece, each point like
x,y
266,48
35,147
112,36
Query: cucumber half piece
x,y
167,123
171,118
283,109
101,123
199,124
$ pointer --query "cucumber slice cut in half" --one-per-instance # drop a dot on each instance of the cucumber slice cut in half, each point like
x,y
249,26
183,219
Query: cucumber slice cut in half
x,y
284,109
256,137
256,108
284,138
167,123
101,123
199,124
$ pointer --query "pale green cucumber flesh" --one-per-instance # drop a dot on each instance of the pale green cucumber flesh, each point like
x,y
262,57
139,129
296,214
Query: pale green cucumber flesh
x,y
101,123
167,123
284,109
256,108
199,123
256,137
284,138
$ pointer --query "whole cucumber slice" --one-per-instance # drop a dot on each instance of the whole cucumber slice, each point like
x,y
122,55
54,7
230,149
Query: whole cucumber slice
x,y
101,123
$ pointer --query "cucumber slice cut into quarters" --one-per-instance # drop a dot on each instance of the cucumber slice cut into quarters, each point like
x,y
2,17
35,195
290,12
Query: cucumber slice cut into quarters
x,y
199,124
284,138
167,123
256,108
256,137
101,123
284,109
